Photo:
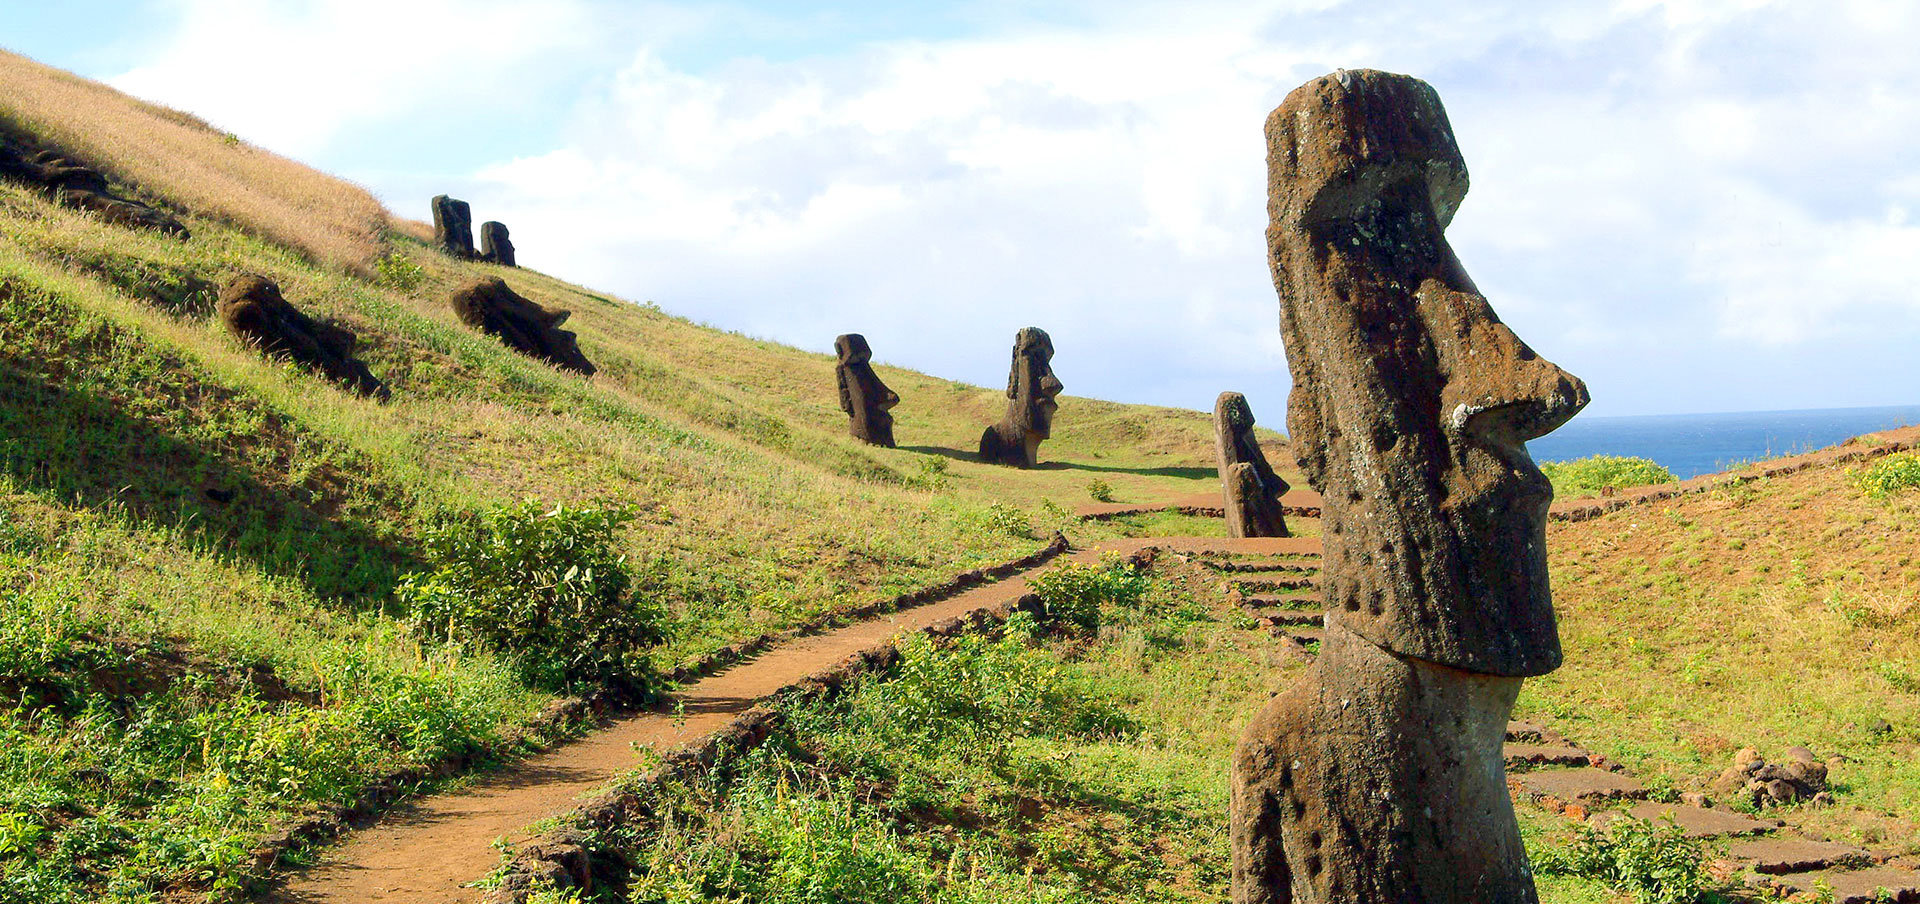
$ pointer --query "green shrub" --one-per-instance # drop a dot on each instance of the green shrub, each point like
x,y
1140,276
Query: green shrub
x,y
1889,475
1656,863
1100,490
1591,474
399,272
545,589
1005,519
1073,592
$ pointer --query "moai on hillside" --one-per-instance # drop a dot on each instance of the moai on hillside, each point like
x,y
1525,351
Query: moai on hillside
x,y
1378,778
453,227
252,308
488,305
1031,392
71,183
863,397
495,248
1251,489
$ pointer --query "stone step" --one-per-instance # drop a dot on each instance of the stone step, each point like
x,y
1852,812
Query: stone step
x,y
1304,636
1585,785
1292,620
1702,822
1530,733
1777,856
1274,584
1546,755
1860,886
1279,601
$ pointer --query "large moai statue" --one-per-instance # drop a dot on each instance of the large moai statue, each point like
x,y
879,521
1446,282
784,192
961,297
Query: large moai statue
x,y
1378,778
453,227
495,247
863,397
1031,392
490,306
1251,489
253,309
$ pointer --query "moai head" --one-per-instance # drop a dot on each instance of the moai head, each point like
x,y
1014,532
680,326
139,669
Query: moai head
x,y
453,226
1412,403
495,247
863,397
1032,387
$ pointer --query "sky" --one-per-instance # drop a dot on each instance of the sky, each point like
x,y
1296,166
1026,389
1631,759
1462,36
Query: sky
x,y
1695,205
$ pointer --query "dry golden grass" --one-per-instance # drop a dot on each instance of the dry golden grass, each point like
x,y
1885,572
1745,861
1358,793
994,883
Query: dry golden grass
x,y
184,160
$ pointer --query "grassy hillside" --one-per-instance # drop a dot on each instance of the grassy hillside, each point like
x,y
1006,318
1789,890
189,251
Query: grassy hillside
x,y
198,546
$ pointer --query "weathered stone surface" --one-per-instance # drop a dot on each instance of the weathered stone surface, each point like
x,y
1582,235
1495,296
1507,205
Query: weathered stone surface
x,y
865,399
1865,886
488,305
495,247
1701,822
453,227
253,309
1252,490
1031,392
1379,778
1584,784
73,184
1774,856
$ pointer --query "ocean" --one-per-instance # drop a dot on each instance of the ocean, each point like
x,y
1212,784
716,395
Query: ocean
x,y
1693,444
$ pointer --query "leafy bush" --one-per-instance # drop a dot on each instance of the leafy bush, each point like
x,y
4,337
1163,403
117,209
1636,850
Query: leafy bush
x,y
1889,475
1005,519
1655,862
1073,592
544,589
399,272
1591,474
1100,490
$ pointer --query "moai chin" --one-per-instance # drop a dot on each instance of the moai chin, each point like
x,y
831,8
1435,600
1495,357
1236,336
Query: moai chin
x,y
495,247
1378,778
863,397
453,227
1031,392
1248,484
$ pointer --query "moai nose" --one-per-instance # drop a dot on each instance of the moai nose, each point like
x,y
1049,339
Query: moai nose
x,y
1051,386
1502,392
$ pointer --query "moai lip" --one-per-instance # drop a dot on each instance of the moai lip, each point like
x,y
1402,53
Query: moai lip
x,y
1379,777
1250,488
253,309
1032,393
865,399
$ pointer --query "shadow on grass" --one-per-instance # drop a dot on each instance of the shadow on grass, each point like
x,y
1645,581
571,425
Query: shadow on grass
x,y
80,447
1188,473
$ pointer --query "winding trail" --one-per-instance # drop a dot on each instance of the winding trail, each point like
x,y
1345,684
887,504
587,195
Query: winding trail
x,y
429,850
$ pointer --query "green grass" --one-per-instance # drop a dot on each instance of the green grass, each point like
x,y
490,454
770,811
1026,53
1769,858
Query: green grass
x,y
1590,475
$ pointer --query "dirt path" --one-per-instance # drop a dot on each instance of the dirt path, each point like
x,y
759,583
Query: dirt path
x,y
426,851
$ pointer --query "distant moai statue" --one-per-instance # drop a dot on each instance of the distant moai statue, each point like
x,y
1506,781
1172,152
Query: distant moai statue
x,y
1378,778
453,227
1031,392
863,397
253,309
490,306
1251,489
495,248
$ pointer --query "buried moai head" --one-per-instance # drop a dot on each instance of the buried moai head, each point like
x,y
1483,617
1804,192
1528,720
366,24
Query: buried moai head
x,y
863,397
1032,393
1252,490
495,247
1411,401
453,226
253,309
73,184
487,304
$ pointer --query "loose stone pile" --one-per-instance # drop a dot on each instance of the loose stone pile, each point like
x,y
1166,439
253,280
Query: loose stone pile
x,y
1754,781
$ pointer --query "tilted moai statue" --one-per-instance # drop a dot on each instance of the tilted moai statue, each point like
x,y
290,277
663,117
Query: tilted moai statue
x,y
863,397
453,227
1252,491
252,308
487,304
1378,778
495,248
71,183
1031,390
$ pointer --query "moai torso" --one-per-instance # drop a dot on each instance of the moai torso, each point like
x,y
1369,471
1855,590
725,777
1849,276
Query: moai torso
x,y
453,226
866,400
1379,777
1032,390
1252,498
